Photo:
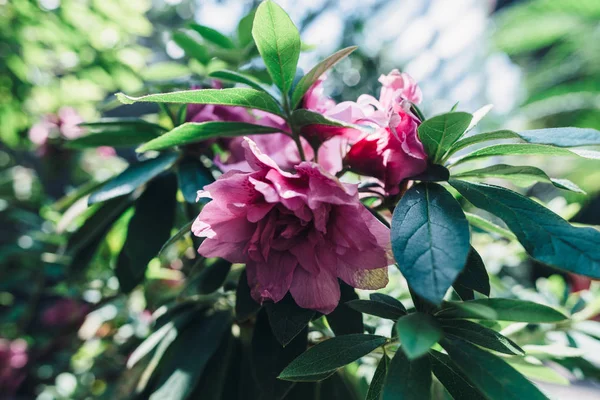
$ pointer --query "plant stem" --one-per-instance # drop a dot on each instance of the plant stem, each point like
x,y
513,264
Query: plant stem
x,y
295,133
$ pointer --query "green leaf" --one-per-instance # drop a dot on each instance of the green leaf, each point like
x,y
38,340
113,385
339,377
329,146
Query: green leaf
x,y
269,358
473,277
214,380
377,308
187,228
116,133
505,309
467,309
133,177
245,306
330,355
439,133
316,72
303,117
164,71
408,379
525,149
278,43
212,277
344,319
244,29
430,239
376,387
155,213
493,376
187,357
482,223
242,97
389,300
192,132
417,333
540,373
213,36
287,319
193,176
191,47
236,77
481,336
433,173
455,382
544,235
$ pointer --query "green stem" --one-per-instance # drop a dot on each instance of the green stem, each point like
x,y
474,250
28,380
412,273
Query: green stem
x,y
295,133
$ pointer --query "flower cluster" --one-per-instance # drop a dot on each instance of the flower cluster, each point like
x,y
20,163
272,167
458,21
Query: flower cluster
x,y
292,222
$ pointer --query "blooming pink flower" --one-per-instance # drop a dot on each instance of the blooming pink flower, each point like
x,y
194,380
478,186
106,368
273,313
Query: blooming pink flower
x,y
296,232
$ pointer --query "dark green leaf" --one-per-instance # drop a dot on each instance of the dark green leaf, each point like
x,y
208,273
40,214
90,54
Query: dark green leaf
x,y
212,276
186,358
455,382
180,233
245,306
155,213
338,387
192,132
481,336
433,173
214,379
278,42
191,47
379,309
269,358
287,319
213,36
242,97
116,133
417,333
344,319
439,133
133,177
430,239
489,373
330,355
316,72
544,235
193,176
473,277
520,175
384,298
408,379
505,310
232,76
483,224
376,386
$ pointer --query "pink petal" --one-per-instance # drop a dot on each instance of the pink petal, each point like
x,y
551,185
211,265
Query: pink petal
x,y
320,292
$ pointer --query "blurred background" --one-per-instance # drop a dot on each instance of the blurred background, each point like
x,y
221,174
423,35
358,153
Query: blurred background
x,y
61,61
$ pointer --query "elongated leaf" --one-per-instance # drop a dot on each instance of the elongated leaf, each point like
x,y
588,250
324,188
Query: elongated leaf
x,y
287,319
184,230
115,133
191,47
484,224
330,355
408,379
482,137
278,42
345,319
303,117
430,239
455,382
520,175
377,308
155,213
214,380
187,357
192,132
316,72
417,333
193,176
213,36
490,374
473,277
232,76
439,133
389,300
505,309
376,387
244,29
132,178
212,277
242,97
481,336
544,235
245,306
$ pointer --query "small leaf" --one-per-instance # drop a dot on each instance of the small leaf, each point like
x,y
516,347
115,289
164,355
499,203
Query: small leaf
x,y
287,319
244,29
133,177
316,72
278,43
455,382
330,355
430,239
242,97
213,36
191,47
344,319
481,336
384,298
473,277
544,235
184,230
193,176
408,379
376,386
490,374
505,310
417,333
439,133
245,306
236,77
479,115
377,308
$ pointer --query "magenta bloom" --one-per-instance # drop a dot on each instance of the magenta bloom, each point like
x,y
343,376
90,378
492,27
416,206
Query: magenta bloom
x,y
296,232
13,360
64,125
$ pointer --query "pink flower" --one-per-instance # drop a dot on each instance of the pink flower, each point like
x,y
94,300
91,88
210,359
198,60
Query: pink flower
x,y
13,360
64,124
397,85
296,232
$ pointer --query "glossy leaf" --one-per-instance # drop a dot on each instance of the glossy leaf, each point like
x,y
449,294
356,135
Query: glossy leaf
x,y
408,379
242,97
430,239
133,177
439,133
244,29
376,387
236,77
303,117
278,43
505,309
473,277
316,72
287,319
481,336
191,47
379,309
455,382
544,235
213,36
330,355
417,333
345,319
192,176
